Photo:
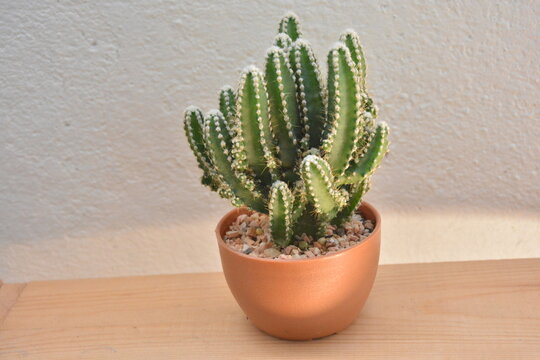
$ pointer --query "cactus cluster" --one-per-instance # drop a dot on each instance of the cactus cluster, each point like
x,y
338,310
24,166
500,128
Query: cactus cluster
x,y
286,145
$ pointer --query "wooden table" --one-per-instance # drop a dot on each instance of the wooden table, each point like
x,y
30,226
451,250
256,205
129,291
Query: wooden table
x,y
460,310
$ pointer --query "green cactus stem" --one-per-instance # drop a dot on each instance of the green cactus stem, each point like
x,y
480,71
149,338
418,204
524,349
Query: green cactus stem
x,y
283,109
227,104
300,199
376,151
218,141
253,141
326,198
280,213
282,41
310,223
310,92
194,129
363,141
290,25
344,109
358,191
351,39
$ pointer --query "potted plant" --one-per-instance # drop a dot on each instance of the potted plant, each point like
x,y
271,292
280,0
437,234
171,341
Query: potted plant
x,y
296,157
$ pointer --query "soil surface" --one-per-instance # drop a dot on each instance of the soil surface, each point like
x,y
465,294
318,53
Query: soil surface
x,y
250,234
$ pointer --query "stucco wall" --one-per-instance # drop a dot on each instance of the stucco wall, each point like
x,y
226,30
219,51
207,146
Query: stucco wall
x,y
96,178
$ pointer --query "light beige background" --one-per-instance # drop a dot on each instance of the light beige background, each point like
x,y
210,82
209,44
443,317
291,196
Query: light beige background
x,y
96,178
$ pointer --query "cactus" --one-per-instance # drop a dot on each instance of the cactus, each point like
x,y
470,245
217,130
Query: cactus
x,y
285,145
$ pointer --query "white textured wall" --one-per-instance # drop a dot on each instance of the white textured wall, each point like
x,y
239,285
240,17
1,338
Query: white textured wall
x,y
96,178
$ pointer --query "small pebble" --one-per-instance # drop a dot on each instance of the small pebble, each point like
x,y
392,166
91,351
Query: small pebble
x,y
289,249
271,252
232,234
331,242
245,247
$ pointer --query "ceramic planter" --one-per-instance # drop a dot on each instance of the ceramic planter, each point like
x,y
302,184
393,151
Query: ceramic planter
x,y
306,298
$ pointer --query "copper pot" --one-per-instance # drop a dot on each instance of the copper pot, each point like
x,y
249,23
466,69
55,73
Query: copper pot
x,y
305,298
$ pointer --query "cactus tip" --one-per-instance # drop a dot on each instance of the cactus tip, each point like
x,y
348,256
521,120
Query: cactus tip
x,y
300,42
191,109
251,69
273,50
290,14
348,31
214,112
311,158
339,46
282,36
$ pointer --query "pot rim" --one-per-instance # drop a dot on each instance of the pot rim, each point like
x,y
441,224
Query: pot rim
x,y
223,246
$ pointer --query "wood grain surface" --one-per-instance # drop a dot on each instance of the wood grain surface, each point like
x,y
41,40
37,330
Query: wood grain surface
x,y
461,310
9,293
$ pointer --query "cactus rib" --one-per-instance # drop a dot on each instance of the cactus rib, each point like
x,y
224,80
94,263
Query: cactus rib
x,y
282,41
194,129
217,138
282,101
351,39
253,141
358,191
317,176
376,150
290,25
310,91
344,109
280,213
227,104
